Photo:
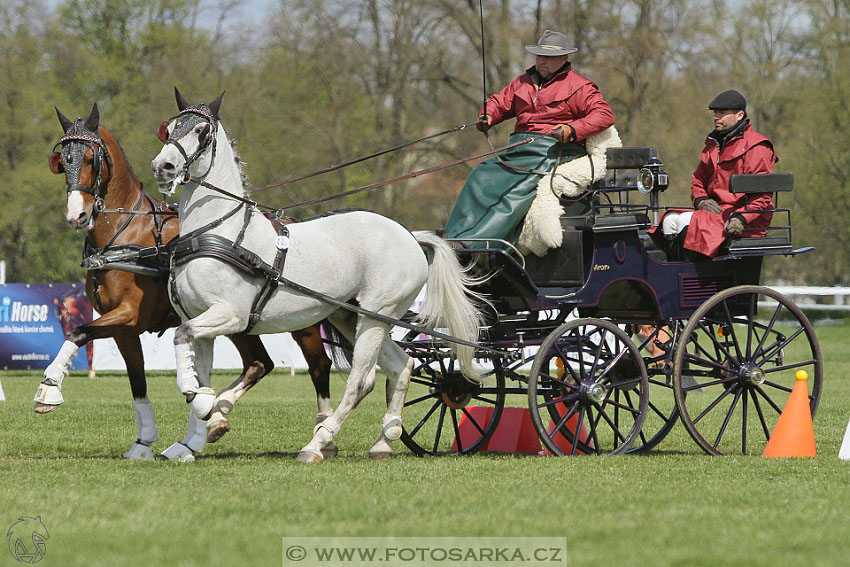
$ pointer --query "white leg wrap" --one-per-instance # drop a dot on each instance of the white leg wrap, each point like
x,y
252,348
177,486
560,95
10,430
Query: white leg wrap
x,y
332,430
145,421
200,399
48,394
58,369
196,436
187,377
179,452
202,402
139,452
391,427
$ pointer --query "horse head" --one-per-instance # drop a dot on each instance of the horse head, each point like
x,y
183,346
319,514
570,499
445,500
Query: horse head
x,y
87,166
189,140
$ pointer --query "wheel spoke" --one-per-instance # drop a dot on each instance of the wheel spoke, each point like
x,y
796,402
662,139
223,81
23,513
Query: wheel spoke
x,y
718,347
618,405
699,386
810,362
760,413
422,422
439,428
562,421
713,404
456,431
554,401
619,383
420,399
732,334
769,327
576,435
485,400
703,362
744,424
751,316
655,409
473,421
594,431
618,434
779,346
768,399
728,417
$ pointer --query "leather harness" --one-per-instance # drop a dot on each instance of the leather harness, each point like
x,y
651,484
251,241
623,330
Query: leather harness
x,y
201,244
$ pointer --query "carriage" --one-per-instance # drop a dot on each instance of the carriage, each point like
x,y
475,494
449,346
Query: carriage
x,y
608,344
606,341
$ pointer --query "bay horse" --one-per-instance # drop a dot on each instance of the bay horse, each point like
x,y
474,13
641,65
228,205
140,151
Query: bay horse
x,y
379,267
100,183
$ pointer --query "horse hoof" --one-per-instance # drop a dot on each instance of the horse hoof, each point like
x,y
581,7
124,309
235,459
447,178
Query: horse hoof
x,y
44,408
330,451
310,457
217,431
380,455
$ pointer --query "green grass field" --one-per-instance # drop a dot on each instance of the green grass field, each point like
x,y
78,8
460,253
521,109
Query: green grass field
x,y
244,494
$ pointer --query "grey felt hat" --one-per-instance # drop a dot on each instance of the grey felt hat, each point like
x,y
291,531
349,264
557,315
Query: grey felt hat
x,y
551,44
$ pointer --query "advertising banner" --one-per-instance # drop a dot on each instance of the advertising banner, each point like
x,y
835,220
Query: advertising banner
x,y
33,321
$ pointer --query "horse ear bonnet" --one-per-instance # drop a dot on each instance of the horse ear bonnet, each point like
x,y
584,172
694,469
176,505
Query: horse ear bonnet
x,y
64,120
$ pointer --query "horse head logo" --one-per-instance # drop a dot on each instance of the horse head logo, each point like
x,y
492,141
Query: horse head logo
x,y
27,539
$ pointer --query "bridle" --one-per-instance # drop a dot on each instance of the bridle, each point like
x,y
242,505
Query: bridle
x,y
75,145
183,127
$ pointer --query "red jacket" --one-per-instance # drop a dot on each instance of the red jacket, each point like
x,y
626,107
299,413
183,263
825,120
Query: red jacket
x,y
568,98
749,152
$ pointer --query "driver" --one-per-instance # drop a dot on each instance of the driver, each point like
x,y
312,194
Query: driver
x,y
732,147
550,99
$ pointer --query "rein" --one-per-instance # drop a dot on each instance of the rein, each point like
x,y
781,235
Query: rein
x,y
411,175
457,128
360,189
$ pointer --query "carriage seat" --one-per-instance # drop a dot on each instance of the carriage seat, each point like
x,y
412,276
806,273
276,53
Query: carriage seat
x,y
778,238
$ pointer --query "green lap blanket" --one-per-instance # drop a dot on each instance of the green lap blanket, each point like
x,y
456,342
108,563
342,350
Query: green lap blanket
x,y
495,198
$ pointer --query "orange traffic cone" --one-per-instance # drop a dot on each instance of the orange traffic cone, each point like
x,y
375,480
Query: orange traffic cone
x,y
794,435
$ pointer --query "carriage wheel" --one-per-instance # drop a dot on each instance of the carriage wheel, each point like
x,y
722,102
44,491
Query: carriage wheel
x,y
735,367
588,376
445,413
661,413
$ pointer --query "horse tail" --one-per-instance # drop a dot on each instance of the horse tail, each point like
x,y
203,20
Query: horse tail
x,y
449,301
341,350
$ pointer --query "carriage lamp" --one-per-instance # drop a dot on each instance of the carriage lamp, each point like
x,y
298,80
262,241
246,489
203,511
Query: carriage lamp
x,y
651,178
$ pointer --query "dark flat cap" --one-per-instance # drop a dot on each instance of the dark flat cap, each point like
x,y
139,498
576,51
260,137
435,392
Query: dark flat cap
x,y
729,100
551,44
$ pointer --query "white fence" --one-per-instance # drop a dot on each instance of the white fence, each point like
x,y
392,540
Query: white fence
x,y
820,298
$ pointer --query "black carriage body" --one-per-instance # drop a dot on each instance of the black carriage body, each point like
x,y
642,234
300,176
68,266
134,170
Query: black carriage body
x,y
695,331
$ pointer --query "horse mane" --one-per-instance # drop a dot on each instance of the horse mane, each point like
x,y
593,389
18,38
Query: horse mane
x,y
115,139
234,147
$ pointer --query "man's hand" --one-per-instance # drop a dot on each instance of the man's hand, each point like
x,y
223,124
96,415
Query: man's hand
x,y
709,205
484,123
734,227
564,133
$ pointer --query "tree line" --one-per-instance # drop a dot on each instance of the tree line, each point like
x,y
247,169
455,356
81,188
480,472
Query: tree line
x,y
314,82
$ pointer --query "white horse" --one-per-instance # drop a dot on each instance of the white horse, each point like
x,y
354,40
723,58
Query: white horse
x,y
359,258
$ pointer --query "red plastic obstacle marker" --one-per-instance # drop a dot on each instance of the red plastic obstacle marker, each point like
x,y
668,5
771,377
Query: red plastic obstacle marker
x,y
514,433
794,435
